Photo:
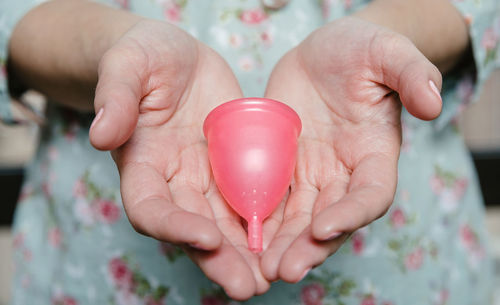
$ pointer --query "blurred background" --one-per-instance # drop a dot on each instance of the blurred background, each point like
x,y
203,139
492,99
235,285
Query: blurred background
x,y
480,125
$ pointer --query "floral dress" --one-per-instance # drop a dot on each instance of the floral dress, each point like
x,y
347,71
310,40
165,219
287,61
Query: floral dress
x,y
73,243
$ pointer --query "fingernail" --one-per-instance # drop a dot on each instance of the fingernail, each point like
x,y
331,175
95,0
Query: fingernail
x,y
304,274
434,88
97,117
197,247
333,235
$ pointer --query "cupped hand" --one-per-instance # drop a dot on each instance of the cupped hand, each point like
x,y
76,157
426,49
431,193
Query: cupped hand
x,y
156,85
346,81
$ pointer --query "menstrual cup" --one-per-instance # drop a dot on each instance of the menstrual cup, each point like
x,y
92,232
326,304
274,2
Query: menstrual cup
x,y
252,147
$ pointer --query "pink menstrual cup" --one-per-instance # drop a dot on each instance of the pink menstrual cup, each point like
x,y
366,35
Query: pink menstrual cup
x,y
252,147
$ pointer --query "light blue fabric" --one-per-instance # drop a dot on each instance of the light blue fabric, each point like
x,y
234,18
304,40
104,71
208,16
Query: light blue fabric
x,y
11,13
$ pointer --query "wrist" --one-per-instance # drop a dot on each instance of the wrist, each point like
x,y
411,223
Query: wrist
x,y
108,26
55,48
436,28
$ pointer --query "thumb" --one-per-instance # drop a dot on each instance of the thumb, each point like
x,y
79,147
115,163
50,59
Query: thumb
x,y
116,103
407,71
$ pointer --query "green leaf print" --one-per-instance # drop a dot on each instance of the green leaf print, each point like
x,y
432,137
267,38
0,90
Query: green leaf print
x,y
182,3
394,245
160,292
143,287
346,287
490,56
448,177
335,285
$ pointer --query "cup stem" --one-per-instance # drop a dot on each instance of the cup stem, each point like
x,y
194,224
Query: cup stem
x,y
255,235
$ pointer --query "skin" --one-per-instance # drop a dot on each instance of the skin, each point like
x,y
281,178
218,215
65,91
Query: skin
x,y
347,82
346,171
155,85
167,187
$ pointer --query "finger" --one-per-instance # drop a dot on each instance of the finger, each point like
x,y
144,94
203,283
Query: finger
x,y
151,211
230,224
272,223
190,199
237,237
370,194
297,216
228,268
332,192
406,70
116,102
305,253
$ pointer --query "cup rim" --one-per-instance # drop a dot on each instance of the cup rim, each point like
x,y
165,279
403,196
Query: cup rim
x,y
252,103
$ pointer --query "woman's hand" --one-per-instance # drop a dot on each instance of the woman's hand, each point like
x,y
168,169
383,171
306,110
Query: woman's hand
x,y
156,86
342,80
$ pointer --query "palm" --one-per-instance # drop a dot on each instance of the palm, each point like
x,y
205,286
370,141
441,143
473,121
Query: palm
x,y
346,170
167,187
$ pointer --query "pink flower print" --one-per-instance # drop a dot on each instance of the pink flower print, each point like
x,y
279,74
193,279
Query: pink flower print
x,y
18,240
106,211
312,294
460,187
267,38
69,301
27,255
26,191
54,237
123,3
83,212
246,63
3,71
46,189
79,189
413,260
437,184
465,89
347,4
467,237
442,297
368,300
398,218
358,242
470,241
325,8
71,132
64,300
173,12
235,40
253,16
490,39
121,275
212,300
